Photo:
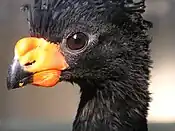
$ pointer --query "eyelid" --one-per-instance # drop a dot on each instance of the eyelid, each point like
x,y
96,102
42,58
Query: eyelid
x,y
73,33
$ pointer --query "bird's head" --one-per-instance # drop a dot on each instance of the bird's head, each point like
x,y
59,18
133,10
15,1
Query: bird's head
x,y
71,41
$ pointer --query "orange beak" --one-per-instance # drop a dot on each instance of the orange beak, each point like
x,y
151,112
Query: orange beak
x,y
36,61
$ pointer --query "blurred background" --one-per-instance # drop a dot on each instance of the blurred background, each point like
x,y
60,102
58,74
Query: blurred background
x,y
37,109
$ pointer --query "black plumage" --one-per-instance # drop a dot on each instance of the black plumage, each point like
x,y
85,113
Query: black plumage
x,y
113,71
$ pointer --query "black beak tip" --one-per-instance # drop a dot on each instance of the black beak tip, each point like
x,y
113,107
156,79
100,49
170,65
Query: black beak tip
x,y
11,83
11,86
17,75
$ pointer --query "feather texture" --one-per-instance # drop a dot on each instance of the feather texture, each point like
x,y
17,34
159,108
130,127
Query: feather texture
x,y
113,72
43,15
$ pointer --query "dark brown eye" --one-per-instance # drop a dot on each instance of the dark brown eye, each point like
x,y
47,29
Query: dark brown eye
x,y
77,41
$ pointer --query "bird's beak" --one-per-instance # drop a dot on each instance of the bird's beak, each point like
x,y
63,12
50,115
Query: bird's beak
x,y
36,62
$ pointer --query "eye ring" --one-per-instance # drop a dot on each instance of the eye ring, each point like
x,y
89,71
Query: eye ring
x,y
77,42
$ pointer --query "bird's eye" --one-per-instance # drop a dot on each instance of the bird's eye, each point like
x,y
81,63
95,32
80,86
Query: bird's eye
x,y
77,41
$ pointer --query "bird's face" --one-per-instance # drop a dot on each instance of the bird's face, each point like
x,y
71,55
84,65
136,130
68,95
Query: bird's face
x,y
40,62
73,50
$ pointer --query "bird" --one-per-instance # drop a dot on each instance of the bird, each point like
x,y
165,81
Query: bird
x,y
101,45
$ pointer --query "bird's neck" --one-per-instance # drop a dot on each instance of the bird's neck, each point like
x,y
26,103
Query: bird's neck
x,y
111,106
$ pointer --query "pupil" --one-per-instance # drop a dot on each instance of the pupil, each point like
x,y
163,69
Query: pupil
x,y
78,41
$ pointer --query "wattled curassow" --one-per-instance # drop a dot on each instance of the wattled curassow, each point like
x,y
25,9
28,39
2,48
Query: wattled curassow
x,y
103,46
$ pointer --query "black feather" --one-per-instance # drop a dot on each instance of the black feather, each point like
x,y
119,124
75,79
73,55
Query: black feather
x,y
42,17
113,72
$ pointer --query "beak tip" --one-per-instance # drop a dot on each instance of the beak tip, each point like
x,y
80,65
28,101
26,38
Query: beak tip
x,y
8,82
17,77
10,85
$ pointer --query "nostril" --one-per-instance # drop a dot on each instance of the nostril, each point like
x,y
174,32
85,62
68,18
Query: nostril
x,y
30,63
